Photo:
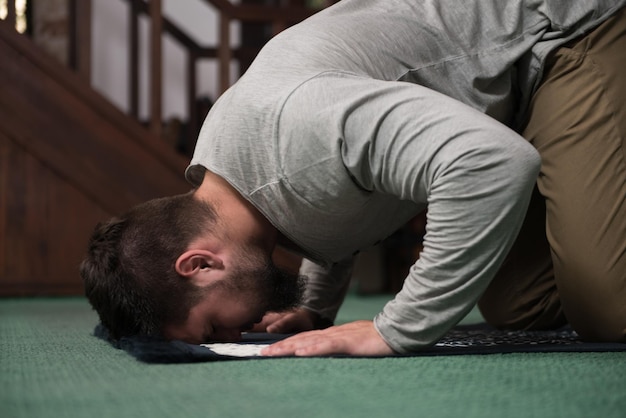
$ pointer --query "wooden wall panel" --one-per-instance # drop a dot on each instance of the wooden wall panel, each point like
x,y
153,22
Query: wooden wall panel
x,y
44,223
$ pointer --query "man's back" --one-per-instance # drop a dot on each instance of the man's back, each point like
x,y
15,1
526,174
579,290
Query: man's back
x,y
484,53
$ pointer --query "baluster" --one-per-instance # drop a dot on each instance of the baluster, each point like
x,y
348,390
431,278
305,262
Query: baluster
x,y
80,43
192,109
224,52
133,59
11,18
156,70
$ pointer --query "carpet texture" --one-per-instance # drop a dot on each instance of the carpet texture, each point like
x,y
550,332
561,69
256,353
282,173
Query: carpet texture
x,y
51,365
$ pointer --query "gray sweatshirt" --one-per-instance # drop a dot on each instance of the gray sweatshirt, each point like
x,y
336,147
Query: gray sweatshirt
x,y
350,123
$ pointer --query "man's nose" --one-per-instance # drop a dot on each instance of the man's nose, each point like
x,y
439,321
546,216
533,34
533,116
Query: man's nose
x,y
226,335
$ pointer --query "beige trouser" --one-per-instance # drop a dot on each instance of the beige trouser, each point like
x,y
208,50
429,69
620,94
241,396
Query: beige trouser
x,y
569,262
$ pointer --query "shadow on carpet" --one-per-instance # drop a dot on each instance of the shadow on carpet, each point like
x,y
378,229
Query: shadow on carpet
x,y
462,340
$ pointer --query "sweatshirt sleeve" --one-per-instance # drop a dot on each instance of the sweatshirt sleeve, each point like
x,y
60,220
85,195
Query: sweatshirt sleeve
x,y
326,287
475,175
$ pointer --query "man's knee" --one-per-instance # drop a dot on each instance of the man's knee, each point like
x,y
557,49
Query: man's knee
x,y
597,314
601,329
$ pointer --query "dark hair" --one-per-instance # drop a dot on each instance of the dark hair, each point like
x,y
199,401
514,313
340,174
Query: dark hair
x,y
129,271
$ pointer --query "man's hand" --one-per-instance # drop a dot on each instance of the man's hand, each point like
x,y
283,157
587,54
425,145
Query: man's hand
x,y
288,322
358,338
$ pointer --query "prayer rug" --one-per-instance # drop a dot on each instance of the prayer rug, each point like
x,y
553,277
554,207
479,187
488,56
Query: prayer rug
x,y
462,340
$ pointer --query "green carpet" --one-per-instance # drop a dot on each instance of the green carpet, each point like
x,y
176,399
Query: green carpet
x,y
51,366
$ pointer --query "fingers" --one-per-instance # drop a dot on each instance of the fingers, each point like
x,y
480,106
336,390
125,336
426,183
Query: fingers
x,y
306,344
287,324
282,326
356,338
266,322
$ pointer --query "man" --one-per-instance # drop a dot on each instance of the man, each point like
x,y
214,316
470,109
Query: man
x,y
351,123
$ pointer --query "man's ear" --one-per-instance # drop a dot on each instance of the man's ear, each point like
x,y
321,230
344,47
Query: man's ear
x,y
199,265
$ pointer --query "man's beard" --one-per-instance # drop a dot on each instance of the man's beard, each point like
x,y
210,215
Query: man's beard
x,y
271,288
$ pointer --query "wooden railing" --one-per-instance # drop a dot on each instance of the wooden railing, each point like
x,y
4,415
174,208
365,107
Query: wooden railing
x,y
276,14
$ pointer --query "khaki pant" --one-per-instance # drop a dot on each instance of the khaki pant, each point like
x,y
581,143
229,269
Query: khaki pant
x,y
569,262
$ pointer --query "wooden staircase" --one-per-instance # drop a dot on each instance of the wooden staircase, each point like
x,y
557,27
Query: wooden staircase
x,y
68,159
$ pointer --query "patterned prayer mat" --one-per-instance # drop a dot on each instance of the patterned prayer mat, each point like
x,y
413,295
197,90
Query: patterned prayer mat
x,y
462,340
